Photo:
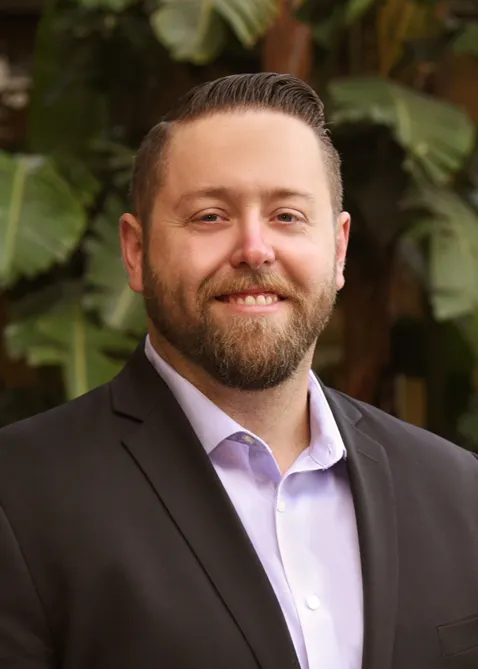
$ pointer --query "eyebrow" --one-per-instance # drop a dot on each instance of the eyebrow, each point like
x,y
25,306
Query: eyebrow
x,y
227,194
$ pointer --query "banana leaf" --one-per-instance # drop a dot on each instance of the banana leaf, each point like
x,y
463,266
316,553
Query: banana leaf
x,y
437,136
41,219
249,19
119,307
195,30
467,41
451,228
64,335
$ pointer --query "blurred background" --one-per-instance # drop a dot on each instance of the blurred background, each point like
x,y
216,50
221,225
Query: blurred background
x,y
82,81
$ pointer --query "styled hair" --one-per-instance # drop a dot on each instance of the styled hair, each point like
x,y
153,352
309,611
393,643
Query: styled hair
x,y
261,91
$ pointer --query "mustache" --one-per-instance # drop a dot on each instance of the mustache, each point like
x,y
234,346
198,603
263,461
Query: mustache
x,y
241,283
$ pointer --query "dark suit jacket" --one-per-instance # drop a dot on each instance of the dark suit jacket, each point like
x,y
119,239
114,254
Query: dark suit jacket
x,y
119,547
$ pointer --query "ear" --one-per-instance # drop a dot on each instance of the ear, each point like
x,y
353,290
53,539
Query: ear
x,y
132,239
342,241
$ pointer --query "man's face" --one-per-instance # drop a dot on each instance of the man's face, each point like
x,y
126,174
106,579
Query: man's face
x,y
243,256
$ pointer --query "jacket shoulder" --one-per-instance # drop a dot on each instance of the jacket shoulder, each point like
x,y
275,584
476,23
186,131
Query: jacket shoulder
x,y
62,423
408,444
53,456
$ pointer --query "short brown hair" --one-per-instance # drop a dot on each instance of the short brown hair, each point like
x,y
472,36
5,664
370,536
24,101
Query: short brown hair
x,y
261,91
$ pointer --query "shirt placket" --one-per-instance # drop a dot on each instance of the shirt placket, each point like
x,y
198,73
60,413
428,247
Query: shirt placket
x,y
315,623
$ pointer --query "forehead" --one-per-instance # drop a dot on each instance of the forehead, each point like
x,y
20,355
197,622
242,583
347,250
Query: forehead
x,y
246,151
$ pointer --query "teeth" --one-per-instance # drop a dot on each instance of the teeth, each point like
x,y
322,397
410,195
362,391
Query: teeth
x,y
253,300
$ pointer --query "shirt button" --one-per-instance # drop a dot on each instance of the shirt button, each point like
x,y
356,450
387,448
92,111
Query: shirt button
x,y
313,602
281,505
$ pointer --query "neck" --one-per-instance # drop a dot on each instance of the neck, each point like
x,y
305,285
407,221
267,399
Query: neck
x,y
279,416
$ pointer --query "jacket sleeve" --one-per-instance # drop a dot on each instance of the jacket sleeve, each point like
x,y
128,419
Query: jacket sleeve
x,y
24,634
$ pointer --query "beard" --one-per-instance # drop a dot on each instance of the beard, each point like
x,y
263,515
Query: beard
x,y
243,352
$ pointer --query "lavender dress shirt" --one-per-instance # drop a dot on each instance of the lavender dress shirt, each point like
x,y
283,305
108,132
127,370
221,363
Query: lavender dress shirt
x,y
302,524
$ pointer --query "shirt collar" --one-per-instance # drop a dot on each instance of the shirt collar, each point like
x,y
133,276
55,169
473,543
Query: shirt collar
x,y
213,426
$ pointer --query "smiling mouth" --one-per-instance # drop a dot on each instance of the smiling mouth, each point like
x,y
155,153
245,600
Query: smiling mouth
x,y
251,299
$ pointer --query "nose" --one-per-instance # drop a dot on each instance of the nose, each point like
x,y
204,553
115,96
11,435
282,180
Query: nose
x,y
252,248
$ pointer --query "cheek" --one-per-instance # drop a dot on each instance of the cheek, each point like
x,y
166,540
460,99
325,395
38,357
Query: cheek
x,y
186,261
309,262
200,256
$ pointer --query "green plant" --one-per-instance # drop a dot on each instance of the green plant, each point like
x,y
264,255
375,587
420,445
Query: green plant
x,y
106,70
43,225
197,30
41,218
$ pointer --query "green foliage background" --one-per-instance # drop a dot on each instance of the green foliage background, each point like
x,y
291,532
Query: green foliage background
x,y
105,71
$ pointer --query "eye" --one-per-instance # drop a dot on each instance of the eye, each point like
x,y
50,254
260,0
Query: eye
x,y
209,217
289,217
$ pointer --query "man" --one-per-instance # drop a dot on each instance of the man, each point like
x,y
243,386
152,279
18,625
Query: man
x,y
214,505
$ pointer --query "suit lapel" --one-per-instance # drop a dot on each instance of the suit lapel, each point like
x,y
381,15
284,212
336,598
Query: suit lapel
x,y
372,490
167,450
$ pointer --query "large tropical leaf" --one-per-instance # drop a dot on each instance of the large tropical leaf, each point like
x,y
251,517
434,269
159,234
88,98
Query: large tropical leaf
x,y
108,5
63,335
452,231
119,307
79,175
437,136
249,19
189,29
195,30
41,219
467,41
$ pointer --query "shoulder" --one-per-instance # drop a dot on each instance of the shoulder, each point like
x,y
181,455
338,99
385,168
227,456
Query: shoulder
x,y
411,451
56,429
62,415
56,460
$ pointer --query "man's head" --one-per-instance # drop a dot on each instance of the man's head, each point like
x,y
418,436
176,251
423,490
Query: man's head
x,y
252,92
237,243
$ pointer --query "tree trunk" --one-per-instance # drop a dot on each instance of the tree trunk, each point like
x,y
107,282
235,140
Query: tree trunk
x,y
288,46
